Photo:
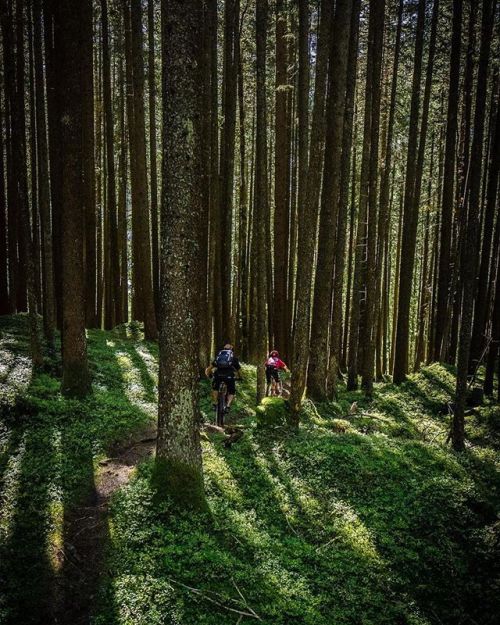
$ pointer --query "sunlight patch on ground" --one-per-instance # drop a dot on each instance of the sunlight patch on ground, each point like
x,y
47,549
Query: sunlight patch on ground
x,y
134,387
15,373
217,473
10,490
150,360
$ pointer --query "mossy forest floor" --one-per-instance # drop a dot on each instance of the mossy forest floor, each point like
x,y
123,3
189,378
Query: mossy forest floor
x,y
366,518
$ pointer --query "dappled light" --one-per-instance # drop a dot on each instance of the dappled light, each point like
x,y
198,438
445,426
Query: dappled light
x,y
364,509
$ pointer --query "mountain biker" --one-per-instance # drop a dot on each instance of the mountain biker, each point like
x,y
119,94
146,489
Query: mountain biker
x,y
274,365
224,368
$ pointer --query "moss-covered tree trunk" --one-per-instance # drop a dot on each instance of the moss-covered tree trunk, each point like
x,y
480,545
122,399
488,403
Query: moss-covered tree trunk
x,y
178,448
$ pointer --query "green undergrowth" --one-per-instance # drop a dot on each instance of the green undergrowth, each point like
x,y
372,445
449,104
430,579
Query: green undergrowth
x,y
363,516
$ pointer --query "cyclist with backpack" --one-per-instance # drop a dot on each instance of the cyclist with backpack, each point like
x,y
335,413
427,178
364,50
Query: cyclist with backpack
x,y
274,365
225,367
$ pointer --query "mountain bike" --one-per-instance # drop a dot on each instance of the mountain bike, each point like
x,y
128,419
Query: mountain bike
x,y
221,407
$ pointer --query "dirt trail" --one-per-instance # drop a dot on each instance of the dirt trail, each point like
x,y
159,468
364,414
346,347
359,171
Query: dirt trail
x,y
86,533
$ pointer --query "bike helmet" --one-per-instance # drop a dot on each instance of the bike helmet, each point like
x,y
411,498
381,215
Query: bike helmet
x,y
274,353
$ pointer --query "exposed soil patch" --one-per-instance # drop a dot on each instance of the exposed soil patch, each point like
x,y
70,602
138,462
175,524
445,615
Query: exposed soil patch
x,y
86,533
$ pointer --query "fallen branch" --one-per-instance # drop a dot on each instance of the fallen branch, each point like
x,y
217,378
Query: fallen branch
x,y
200,593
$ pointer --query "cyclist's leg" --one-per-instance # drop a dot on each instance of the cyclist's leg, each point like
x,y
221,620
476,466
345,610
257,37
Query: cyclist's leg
x,y
269,381
275,382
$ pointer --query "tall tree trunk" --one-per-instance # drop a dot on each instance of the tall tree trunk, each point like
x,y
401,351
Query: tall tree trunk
x,y
43,181
244,212
122,200
388,170
76,380
318,361
362,231
281,191
260,197
494,345
4,277
227,149
112,288
345,172
214,318
370,322
89,167
141,240
409,220
307,211
481,308
26,248
179,468
204,180
152,155
443,285
9,76
471,232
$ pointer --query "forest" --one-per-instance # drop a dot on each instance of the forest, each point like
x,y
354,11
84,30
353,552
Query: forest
x,y
309,189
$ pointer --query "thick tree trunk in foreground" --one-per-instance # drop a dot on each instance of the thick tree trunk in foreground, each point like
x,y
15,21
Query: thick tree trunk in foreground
x,y
76,381
179,469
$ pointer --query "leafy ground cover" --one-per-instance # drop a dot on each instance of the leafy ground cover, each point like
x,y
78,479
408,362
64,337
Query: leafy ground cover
x,y
364,516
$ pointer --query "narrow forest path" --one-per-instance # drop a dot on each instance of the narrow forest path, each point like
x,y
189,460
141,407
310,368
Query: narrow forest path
x,y
82,562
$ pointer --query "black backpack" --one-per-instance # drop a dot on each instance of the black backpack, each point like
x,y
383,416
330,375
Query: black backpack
x,y
224,359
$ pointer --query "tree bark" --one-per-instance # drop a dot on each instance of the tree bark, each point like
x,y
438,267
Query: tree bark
x,y
141,239
409,221
471,232
43,181
76,380
227,151
281,190
179,468
345,173
481,308
112,288
260,197
443,285
319,362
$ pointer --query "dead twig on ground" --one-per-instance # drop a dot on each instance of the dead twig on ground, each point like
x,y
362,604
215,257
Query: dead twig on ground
x,y
204,595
